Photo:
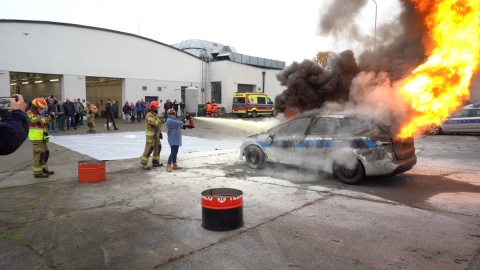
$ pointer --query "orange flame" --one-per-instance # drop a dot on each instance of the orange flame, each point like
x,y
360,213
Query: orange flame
x,y
440,85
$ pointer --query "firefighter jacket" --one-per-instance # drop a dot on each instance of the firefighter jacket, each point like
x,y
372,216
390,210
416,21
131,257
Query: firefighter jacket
x,y
38,126
90,111
153,124
214,106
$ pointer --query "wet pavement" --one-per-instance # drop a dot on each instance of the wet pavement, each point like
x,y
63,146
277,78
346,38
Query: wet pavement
x,y
427,218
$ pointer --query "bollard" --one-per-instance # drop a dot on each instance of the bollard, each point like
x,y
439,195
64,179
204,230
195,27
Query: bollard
x,y
91,171
222,209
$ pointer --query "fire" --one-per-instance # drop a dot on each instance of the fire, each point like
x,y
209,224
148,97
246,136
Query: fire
x,y
440,85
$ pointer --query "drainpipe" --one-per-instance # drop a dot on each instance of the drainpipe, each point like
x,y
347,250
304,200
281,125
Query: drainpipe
x,y
263,82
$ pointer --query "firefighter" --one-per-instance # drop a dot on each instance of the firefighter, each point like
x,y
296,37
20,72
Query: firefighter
x,y
214,108
153,137
38,136
208,108
90,111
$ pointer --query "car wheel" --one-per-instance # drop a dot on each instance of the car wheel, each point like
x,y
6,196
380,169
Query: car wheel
x,y
349,175
254,157
239,115
254,114
434,129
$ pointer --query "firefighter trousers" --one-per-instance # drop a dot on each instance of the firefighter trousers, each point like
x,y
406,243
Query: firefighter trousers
x,y
40,157
152,145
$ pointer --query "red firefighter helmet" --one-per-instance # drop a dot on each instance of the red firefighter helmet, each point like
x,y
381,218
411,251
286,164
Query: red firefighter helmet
x,y
153,105
39,103
91,110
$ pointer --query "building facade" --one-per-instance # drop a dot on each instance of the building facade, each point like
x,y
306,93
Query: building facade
x,y
42,58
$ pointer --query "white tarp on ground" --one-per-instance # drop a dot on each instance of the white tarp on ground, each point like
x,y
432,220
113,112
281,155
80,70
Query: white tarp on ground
x,y
126,145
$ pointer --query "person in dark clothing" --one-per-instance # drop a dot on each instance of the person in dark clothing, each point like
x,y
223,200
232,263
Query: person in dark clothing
x,y
14,129
69,114
109,114
182,108
115,109
175,105
167,106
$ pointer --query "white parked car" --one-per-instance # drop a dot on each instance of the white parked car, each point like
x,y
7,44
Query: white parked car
x,y
466,120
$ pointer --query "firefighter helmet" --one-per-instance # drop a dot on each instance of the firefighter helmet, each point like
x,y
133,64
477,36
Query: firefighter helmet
x,y
39,103
153,105
91,110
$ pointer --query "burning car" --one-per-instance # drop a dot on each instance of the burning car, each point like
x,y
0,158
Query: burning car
x,y
348,146
466,120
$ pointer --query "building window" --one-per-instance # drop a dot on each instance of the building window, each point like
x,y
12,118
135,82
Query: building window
x,y
144,88
159,88
217,92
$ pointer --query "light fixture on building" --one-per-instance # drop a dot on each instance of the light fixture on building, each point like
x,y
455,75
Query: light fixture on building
x,y
38,81
13,83
24,82
54,80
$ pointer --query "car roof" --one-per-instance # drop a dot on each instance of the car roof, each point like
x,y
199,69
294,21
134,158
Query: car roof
x,y
472,106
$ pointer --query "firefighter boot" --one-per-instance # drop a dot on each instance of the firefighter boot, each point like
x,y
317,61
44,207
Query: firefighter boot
x,y
169,168
145,167
46,171
157,164
176,167
40,175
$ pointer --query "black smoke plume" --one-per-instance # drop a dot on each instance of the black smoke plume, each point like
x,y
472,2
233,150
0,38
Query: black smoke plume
x,y
348,83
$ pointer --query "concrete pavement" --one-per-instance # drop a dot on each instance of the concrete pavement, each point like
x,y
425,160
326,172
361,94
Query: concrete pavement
x,y
139,219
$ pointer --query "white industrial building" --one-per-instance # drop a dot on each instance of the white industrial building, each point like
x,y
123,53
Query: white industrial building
x,y
41,58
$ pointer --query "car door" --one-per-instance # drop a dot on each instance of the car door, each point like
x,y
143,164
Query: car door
x,y
457,122
288,142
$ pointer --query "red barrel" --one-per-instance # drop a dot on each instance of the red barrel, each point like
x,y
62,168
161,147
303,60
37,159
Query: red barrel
x,y
91,171
222,209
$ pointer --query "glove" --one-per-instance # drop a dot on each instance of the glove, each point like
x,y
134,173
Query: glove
x,y
38,122
185,126
161,136
52,115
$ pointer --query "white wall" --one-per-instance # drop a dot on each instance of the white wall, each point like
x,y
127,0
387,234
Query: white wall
x,y
4,83
42,47
231,74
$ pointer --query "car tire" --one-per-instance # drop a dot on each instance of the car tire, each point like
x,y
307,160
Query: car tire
x,y
434,129
349,176
254,114
254,157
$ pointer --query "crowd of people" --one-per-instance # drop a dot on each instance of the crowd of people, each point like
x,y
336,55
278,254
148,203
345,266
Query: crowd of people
x,y
42,115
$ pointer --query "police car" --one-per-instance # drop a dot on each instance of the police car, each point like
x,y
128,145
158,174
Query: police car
x,y
466,120
348,146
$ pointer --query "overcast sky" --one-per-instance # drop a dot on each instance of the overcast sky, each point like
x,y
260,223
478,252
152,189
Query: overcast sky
x,y
279,30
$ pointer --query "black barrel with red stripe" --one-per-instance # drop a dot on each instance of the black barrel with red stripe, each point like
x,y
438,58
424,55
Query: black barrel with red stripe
x,y
222,209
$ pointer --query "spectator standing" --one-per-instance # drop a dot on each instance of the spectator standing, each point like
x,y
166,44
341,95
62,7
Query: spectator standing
x,y
174,139
69,114
14,130
167,106
127,111
115,109
77,111
139,110
81,113
61,116
175,105
144,108
109,114
182,108
52,108
133,112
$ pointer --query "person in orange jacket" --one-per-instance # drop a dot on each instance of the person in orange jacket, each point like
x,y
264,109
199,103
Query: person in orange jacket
x,y
38,136
208,108
214,109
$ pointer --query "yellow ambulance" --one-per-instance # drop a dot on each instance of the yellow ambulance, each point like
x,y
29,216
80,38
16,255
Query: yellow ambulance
x,y
252,104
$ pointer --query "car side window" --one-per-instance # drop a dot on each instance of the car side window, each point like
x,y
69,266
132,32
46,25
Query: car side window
x,y
325,125
261,100
294,127
475,113
462,113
